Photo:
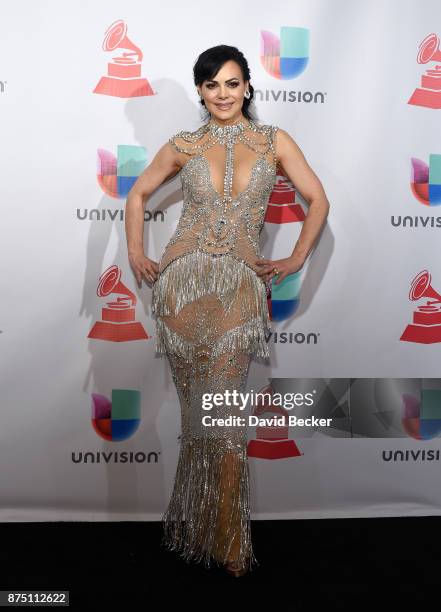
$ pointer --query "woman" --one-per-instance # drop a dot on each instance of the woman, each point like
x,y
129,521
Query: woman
x,y
209,295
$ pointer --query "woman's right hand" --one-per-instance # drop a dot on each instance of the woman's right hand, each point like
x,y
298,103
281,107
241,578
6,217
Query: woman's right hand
x,y
144,266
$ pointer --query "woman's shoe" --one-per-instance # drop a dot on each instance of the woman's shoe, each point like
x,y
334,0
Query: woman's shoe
x,y
234,569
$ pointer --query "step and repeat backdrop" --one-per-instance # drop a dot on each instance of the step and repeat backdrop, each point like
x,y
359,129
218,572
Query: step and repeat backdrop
x,y
90,418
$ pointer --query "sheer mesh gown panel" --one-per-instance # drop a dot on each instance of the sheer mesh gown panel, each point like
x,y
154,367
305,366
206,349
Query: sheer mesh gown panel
x,y
211,317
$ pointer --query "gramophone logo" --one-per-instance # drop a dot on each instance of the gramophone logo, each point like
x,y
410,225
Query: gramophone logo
x,y
117,419
429,93
426,180
118,317
283,299
426,324
117,174
422,417
123,79
285,57
271,442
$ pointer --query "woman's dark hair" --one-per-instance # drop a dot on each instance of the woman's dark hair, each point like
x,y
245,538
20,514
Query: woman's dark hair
x,y
211,61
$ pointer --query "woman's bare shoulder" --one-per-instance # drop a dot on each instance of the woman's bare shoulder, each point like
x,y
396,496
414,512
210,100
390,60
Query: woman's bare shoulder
x,y
184,140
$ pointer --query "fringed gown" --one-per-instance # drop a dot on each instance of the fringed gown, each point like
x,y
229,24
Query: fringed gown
x,y
211,317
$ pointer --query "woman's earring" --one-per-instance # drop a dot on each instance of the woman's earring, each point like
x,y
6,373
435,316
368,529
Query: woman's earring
x,y
247,94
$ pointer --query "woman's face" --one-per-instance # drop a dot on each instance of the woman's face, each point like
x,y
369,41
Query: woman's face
x,y
224,94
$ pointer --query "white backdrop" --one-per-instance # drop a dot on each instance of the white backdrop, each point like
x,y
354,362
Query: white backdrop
x,y
63,227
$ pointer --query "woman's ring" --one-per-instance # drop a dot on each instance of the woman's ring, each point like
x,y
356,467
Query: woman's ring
x,y
276,271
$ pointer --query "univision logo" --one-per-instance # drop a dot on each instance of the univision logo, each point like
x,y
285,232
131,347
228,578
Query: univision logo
x,y
285,58
421,417
425,185
117,419
116,175
425,181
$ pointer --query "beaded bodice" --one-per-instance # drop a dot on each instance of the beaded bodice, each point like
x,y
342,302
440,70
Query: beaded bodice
x,y
227,175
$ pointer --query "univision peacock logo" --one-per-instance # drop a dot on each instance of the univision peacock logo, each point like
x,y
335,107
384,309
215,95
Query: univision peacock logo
x,y
116,419
287,56
117,174
425,180
421,418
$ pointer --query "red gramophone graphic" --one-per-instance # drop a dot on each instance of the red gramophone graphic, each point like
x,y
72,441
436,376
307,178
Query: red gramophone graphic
x,y
282,207
118,318
429,94
123,78
426,326
271,442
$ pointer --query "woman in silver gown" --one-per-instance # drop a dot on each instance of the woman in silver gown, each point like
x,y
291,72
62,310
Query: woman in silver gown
x,y
210,302
212,315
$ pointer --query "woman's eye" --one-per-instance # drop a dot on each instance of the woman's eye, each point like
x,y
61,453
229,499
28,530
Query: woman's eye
x,y
212,85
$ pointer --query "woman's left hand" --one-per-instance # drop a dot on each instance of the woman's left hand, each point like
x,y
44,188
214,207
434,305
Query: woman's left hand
x,y
284,267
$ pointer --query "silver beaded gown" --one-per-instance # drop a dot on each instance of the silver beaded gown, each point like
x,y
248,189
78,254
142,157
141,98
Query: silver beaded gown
x,y
211,317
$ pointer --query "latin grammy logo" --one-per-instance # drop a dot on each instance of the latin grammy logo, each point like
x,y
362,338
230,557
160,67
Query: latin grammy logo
x,y
123,78
271,442
118,318
429,94
426,325
282,207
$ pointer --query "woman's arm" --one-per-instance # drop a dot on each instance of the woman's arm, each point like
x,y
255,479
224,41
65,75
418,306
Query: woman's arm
x,y
304,179
297,169
165,164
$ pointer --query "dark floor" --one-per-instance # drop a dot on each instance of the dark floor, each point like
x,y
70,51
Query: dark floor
x,y
307,562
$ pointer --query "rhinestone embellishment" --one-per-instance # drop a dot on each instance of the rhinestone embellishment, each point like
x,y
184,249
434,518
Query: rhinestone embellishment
x,y
224,132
